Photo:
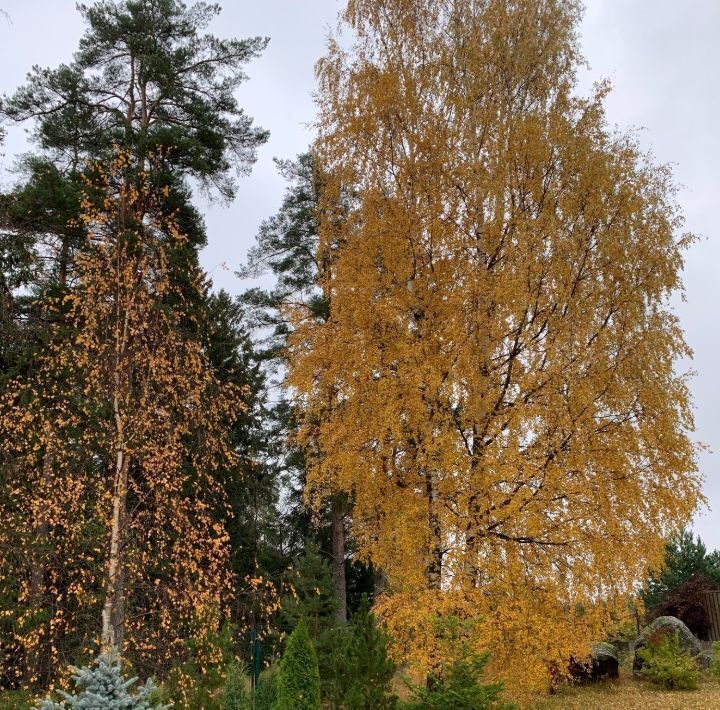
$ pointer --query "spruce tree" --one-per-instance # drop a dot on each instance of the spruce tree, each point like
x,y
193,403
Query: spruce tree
x,y
363,673
236,694
299,679
103,686
685,557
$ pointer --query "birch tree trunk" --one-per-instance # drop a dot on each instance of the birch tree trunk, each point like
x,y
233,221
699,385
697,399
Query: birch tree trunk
x,y
113,615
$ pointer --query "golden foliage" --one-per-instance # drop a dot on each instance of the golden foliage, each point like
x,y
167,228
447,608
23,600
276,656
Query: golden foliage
x,y
116,436
494,386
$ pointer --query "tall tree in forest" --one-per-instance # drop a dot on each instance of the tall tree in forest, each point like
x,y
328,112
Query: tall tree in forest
x,y
147,78
136,420
287,248
150,79
499,346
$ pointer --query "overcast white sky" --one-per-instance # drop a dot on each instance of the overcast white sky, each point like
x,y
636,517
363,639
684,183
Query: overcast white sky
x,y
662,56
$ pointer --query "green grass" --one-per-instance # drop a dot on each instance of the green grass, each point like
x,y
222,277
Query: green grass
x,y
15,700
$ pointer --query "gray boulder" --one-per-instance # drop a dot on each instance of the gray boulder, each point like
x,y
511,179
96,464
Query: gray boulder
x,y
704,660
604,663
665,625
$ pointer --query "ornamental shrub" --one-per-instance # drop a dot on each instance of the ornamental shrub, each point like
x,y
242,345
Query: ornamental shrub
x,y
299,679
266,690
459,688
457,684
103,686
361,676
715,663
667,664
236,695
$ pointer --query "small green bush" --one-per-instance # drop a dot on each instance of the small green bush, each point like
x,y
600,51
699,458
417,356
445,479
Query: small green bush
x,y
457,684
266,690
459,688
667,664
715,663
299,678
361,675
236,695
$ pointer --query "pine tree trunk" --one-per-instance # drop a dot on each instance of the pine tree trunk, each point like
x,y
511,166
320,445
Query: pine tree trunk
x,y
338,561
380,583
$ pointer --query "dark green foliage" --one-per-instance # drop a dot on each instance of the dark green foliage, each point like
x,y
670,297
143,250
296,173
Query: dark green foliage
x,y
266,691
459,688
667,664
298,679
458,683
286,248
685,557
310,604
359,674
252,488
236,696
147,77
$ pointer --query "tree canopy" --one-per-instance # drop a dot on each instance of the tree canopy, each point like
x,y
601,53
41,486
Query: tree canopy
x,y
494,385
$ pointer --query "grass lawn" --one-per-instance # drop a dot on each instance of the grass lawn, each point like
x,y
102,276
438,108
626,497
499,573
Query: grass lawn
x,y
628,693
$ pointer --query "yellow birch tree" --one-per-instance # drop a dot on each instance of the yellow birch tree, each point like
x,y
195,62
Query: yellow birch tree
x,y
506,417
116,439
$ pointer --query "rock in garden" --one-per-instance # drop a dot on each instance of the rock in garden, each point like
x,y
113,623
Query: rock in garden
x,y
603,664
705,659
665,625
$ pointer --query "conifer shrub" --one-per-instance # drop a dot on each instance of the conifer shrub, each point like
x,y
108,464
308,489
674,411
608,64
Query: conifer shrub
x,y
363,671
102,686
266,690
460,687
666,664
457,684
236,696
298,683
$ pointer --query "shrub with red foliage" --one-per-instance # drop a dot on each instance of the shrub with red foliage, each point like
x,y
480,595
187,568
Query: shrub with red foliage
x,y
688,605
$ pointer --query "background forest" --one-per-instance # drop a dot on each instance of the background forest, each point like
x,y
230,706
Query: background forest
x,y
444,440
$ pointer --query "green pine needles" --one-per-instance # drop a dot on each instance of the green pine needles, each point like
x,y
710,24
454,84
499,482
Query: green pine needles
x,y
362,673
236,694
103,686
266,692
299,678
